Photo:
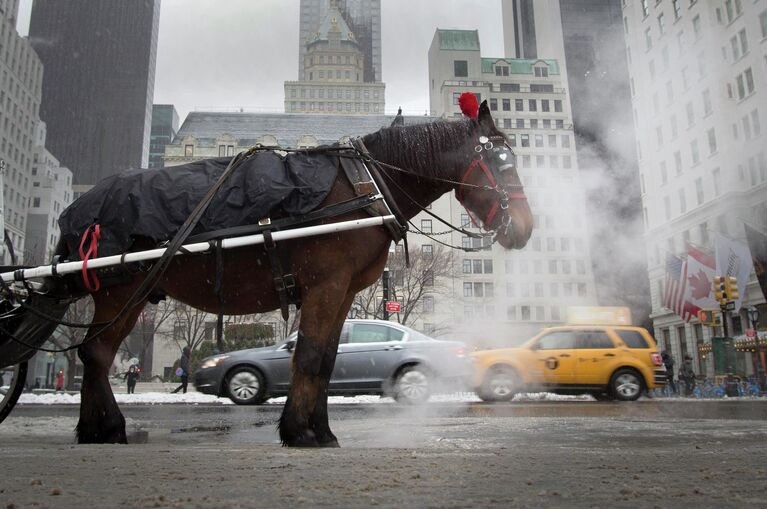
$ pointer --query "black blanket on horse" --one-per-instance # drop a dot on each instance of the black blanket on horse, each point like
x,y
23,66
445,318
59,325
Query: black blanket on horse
x,y
155,203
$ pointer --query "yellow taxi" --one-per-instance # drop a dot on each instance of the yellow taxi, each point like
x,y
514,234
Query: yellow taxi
x,y
607,361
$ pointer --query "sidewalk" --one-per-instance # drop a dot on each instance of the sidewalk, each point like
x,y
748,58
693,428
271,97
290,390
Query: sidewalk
x,y
151,387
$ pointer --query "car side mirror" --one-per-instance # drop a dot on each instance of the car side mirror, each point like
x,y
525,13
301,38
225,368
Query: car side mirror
x,y
290,345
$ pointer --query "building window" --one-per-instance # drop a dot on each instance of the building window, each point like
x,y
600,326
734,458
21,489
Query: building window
x,y
519,104
696,26
676,9
506,104
461,68
426,225
661,24
188,150
648,39
427,250
541,72
493,104
428,304
695,152
711,141
699,190
645,8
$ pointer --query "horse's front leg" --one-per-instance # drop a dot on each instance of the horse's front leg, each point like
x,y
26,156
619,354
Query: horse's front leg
x,y
101,421
304,420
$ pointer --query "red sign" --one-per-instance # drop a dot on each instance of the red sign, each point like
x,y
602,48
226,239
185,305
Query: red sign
x,y
393,307
750,333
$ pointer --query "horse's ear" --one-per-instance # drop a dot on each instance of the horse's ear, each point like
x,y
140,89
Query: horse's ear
x,y
484,118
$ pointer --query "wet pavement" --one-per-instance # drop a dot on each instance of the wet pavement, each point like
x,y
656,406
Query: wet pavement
x,y
653,453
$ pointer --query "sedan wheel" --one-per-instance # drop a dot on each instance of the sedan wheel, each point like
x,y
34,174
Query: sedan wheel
x,y
500,384
626,385
245,386
412,385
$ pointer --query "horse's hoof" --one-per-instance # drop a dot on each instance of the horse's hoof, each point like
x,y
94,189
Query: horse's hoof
x,y
329,443
91,436
306,439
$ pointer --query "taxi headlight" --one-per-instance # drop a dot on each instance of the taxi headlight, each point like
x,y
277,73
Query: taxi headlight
x,y
213,362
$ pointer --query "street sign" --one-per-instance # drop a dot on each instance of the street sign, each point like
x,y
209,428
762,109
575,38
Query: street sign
x,y
393,306
750,333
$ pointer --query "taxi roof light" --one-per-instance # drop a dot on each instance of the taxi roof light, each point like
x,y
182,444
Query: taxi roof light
x,y
598,315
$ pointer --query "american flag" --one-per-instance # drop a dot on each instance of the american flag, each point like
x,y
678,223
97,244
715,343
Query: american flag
x,y
676,281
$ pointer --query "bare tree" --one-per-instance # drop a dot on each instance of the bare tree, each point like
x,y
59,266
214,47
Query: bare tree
x,y
430,269
191,326
80,312
146,331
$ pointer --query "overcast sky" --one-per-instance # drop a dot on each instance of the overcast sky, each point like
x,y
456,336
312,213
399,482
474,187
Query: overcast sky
x,y
230,54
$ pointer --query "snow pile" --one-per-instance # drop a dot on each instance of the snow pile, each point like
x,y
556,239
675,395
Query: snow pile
x,y
195,398
141,398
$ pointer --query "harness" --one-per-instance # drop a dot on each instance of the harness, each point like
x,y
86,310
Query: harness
x,y
505,159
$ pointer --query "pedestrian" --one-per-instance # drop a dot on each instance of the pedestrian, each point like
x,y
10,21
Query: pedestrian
x,y
668,362
687,375
60,380
132,377
183,369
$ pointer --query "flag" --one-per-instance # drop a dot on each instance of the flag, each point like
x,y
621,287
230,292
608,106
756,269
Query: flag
x,y
733,259
701,269
757,242
673,296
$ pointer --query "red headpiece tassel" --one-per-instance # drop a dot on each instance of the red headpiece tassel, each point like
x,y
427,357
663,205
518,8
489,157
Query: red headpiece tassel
x,y
469,104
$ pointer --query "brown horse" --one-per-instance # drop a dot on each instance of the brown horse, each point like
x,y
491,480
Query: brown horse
x,y
330,269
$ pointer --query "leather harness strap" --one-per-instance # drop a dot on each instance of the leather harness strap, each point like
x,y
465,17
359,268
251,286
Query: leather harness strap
x,y
285,284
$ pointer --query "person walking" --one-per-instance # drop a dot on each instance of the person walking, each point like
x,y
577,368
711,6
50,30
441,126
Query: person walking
x,y
132,377
60,380
668,362
687,375
183,369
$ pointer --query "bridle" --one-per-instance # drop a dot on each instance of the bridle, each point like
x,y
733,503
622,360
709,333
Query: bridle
x,y
504,159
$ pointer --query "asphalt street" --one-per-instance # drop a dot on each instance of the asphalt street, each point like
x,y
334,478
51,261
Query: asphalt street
x,y
654,453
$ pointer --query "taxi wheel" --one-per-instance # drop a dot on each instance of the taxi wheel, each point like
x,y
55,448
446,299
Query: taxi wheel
x,y
501,383
626,385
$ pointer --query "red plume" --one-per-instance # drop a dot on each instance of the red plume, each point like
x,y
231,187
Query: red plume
x,y
469,104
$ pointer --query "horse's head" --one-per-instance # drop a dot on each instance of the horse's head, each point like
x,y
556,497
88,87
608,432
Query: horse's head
x,y
490,186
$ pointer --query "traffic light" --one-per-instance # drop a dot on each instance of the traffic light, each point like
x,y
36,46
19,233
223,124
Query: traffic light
x,y
731,288
708,317
720,291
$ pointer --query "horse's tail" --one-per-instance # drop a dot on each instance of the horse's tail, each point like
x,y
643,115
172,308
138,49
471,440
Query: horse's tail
x,y
27,323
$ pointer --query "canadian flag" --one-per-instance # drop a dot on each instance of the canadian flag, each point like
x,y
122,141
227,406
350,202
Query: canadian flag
x,y
701,269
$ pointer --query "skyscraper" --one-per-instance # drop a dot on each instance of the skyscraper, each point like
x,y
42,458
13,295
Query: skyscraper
x,y
364,19
522,291
20,86
99,59
586,36
164,128
338,73
698,92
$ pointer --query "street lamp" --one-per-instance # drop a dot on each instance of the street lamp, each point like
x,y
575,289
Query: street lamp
x,y
753,317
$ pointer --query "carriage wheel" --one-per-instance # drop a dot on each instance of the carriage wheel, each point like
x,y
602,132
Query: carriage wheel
x,y
15,387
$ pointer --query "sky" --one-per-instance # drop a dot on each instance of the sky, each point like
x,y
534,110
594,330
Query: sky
x,y
232,54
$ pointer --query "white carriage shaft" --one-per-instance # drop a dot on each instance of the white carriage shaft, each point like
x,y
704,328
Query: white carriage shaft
x,y
200,247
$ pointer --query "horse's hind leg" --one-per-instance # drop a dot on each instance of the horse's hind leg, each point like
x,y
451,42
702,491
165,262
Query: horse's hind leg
x,y
304,418
101,421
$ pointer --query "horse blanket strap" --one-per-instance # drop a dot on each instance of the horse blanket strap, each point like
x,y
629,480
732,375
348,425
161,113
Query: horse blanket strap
x,y
285,284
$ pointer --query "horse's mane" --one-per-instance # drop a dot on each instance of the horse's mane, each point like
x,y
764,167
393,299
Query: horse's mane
x,y
415,146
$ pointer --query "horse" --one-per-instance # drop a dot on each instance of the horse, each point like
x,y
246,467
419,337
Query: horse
x,y
432,159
